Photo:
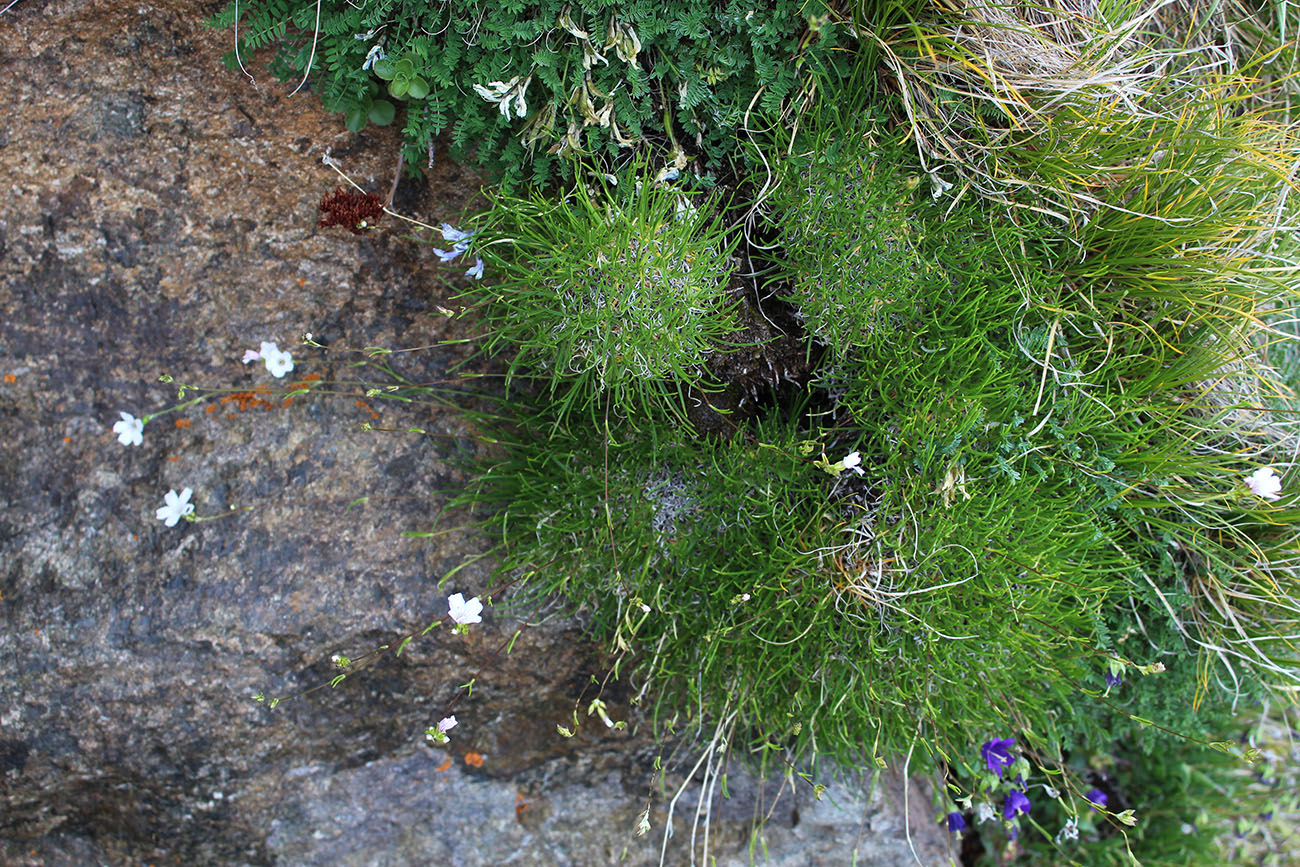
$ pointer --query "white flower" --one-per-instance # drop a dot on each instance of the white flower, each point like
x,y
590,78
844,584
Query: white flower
x,y
1264,482
279,363
852,461
176,508
251,355
984,812
438,735
464,613
130,430
477,271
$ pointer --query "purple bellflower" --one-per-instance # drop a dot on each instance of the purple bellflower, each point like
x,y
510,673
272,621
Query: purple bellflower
x,y
1015,804
997,754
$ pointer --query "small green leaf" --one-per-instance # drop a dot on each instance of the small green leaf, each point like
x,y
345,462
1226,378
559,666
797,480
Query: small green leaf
x,y
398,86
382,112
384,68
355,118
417,88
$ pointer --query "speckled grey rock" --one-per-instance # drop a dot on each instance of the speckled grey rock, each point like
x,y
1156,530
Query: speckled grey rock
x,y
159,217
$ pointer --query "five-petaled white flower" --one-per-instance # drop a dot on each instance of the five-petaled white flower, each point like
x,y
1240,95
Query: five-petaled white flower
x,y
176,508
477,271
130,430
278,362
464,613
1264,482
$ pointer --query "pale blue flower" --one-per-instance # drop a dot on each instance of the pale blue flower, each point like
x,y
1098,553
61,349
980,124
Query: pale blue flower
x,y
477,271
453,235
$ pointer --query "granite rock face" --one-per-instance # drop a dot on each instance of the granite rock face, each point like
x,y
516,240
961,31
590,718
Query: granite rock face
x,y
159,218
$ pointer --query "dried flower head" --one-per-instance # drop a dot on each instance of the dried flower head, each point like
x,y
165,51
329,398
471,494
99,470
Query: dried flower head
x,y
354,211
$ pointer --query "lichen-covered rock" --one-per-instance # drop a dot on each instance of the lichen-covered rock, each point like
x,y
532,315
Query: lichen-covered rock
x,y
160,218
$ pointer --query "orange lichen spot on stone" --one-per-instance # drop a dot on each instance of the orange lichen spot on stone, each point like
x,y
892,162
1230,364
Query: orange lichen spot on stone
x,y
474,760
521,806
302,281
246,400
311,377
286,401
174,458
211,408
182,422
67,440
445,766
9,377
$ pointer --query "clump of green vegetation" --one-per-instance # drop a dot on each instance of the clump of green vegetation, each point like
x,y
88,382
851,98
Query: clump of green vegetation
x,y
1012,500
520,86
1029,500
618,290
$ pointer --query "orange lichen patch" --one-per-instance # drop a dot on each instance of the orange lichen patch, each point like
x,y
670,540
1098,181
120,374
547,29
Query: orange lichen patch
x,y
361,403
445,766
474,760
174,458
245,400
182,422
286,401
9,377
521,806
67,440
211,408
302,281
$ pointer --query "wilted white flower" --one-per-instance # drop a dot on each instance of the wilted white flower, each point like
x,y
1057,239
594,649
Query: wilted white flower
x,y
176,507
376,53
130,430
984,812
1069,832
503,92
